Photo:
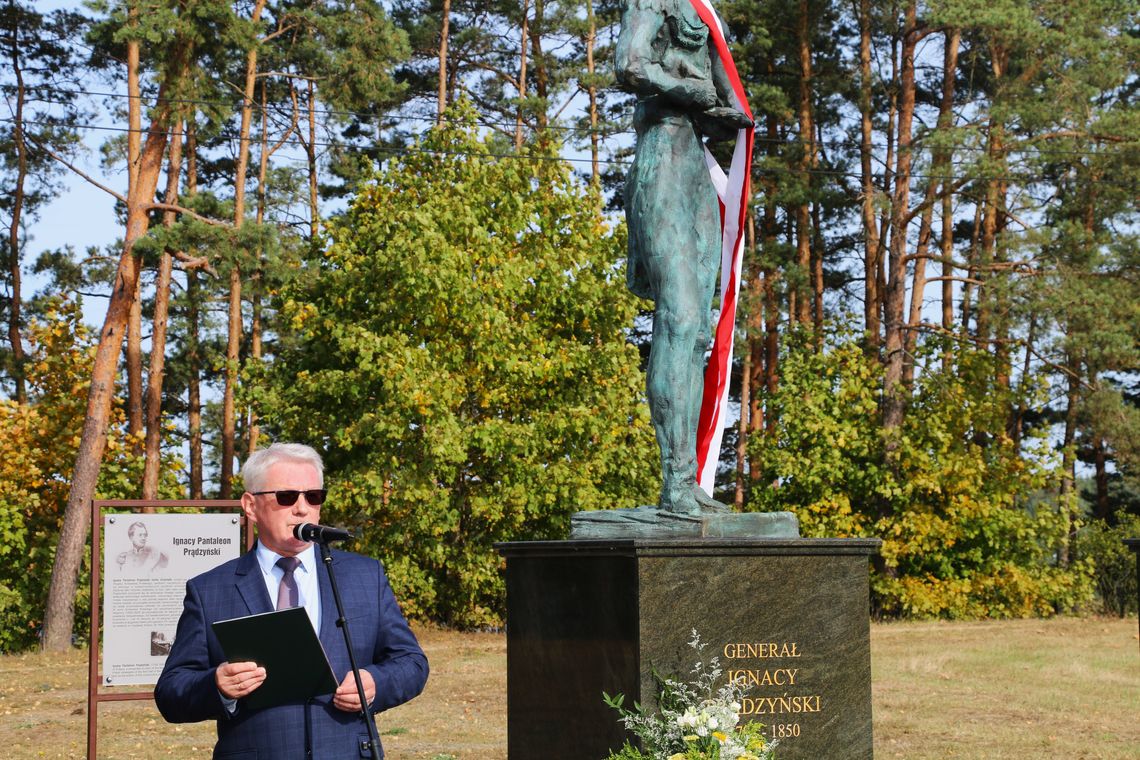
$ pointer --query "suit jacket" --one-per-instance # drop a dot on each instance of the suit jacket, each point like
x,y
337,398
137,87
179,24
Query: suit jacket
x,y
382,642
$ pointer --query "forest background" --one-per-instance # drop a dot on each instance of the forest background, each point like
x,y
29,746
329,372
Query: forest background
x,y
394,231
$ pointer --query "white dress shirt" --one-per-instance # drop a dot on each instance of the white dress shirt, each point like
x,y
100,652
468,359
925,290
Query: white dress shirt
x,y
308,589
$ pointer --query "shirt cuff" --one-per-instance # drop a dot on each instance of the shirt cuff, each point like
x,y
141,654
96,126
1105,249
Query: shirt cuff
x,y
231,705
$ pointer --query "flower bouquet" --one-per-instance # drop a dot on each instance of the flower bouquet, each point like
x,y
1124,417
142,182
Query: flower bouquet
x,y
696,720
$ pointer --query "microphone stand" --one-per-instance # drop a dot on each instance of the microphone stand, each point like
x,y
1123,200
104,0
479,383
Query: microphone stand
x,y
342,624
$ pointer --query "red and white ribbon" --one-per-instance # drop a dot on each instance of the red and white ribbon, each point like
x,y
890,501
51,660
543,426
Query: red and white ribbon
x,y
733,191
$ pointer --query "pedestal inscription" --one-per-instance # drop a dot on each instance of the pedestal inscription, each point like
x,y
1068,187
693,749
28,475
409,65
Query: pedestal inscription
x,y
790,617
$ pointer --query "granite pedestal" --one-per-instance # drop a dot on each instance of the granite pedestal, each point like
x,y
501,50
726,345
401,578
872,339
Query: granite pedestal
x,y
788,615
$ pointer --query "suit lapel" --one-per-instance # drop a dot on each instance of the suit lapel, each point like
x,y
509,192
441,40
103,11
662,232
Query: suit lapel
x,y
250,584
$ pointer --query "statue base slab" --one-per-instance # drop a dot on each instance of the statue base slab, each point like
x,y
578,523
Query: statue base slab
x,y
647,522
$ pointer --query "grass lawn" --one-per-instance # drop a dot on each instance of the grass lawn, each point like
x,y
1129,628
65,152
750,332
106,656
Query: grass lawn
x,y
1017,690
1007,690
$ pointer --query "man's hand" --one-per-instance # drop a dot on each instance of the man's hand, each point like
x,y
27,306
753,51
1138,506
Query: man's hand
x,y
238,679
347,698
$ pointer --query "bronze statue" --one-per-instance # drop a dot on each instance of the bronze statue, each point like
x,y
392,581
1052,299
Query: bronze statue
x,y
666,57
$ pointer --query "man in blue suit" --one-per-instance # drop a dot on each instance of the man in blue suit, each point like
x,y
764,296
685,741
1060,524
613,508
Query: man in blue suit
x,y
284,489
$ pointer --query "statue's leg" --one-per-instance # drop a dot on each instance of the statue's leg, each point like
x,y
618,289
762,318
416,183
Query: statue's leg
x,y
697,365
707,251
669,385
674,222
697,368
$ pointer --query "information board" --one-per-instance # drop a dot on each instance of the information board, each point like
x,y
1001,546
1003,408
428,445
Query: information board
x,y
147,559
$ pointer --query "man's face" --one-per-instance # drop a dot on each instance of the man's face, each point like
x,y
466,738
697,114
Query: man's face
x,y
274,522
138,537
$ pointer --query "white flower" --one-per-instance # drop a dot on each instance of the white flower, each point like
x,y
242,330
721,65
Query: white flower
x,y
688,720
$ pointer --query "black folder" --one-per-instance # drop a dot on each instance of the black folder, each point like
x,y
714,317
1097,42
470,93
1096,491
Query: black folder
x,y
285,644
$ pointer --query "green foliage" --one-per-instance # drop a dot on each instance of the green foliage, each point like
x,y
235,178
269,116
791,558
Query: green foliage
x,y
628,752
960,536
825,460
38,443
460,358
1114,562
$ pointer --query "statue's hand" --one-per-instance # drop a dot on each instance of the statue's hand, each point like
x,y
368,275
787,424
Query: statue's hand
x,y
722,122
729,116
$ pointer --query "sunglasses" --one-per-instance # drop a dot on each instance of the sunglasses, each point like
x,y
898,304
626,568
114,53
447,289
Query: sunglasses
x,y
315,496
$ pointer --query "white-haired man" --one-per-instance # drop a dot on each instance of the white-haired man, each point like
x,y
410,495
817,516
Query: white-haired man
x,y
285,488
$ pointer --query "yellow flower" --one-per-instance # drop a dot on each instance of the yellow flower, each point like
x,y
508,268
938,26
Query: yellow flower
x,y
720,736
678,756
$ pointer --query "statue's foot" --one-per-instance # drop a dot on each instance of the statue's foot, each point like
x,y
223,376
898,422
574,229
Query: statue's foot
x,y
691,500
679,499
708,504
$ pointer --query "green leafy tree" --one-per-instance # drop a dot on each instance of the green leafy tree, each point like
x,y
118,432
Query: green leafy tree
x,y
1114,562
460,357
962,536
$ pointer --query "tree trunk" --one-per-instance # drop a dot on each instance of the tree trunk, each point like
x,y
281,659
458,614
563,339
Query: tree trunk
x,y
15,340
233,344
894,392
751,355
1017,419
311,156
592,92
152,465
872,249
134,362
1070,506
939,176
946,255
59,615
770,231
918,285
445,22
193,357
991,218
522,77
193,385
817,284
969,290
752,373
807,140
742,429
889,180
1102,508
765,343
253,430
541,74
946,242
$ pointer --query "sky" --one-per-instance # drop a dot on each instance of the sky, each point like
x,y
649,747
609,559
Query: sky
x,y
81,215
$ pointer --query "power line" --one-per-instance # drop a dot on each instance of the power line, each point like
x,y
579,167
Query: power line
x,y
579,131
759,170
357,115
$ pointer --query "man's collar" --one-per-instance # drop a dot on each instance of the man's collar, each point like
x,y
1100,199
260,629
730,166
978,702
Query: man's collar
x,y
267,558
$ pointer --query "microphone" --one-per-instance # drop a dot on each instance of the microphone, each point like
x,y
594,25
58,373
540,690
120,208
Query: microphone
x,y
321,534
